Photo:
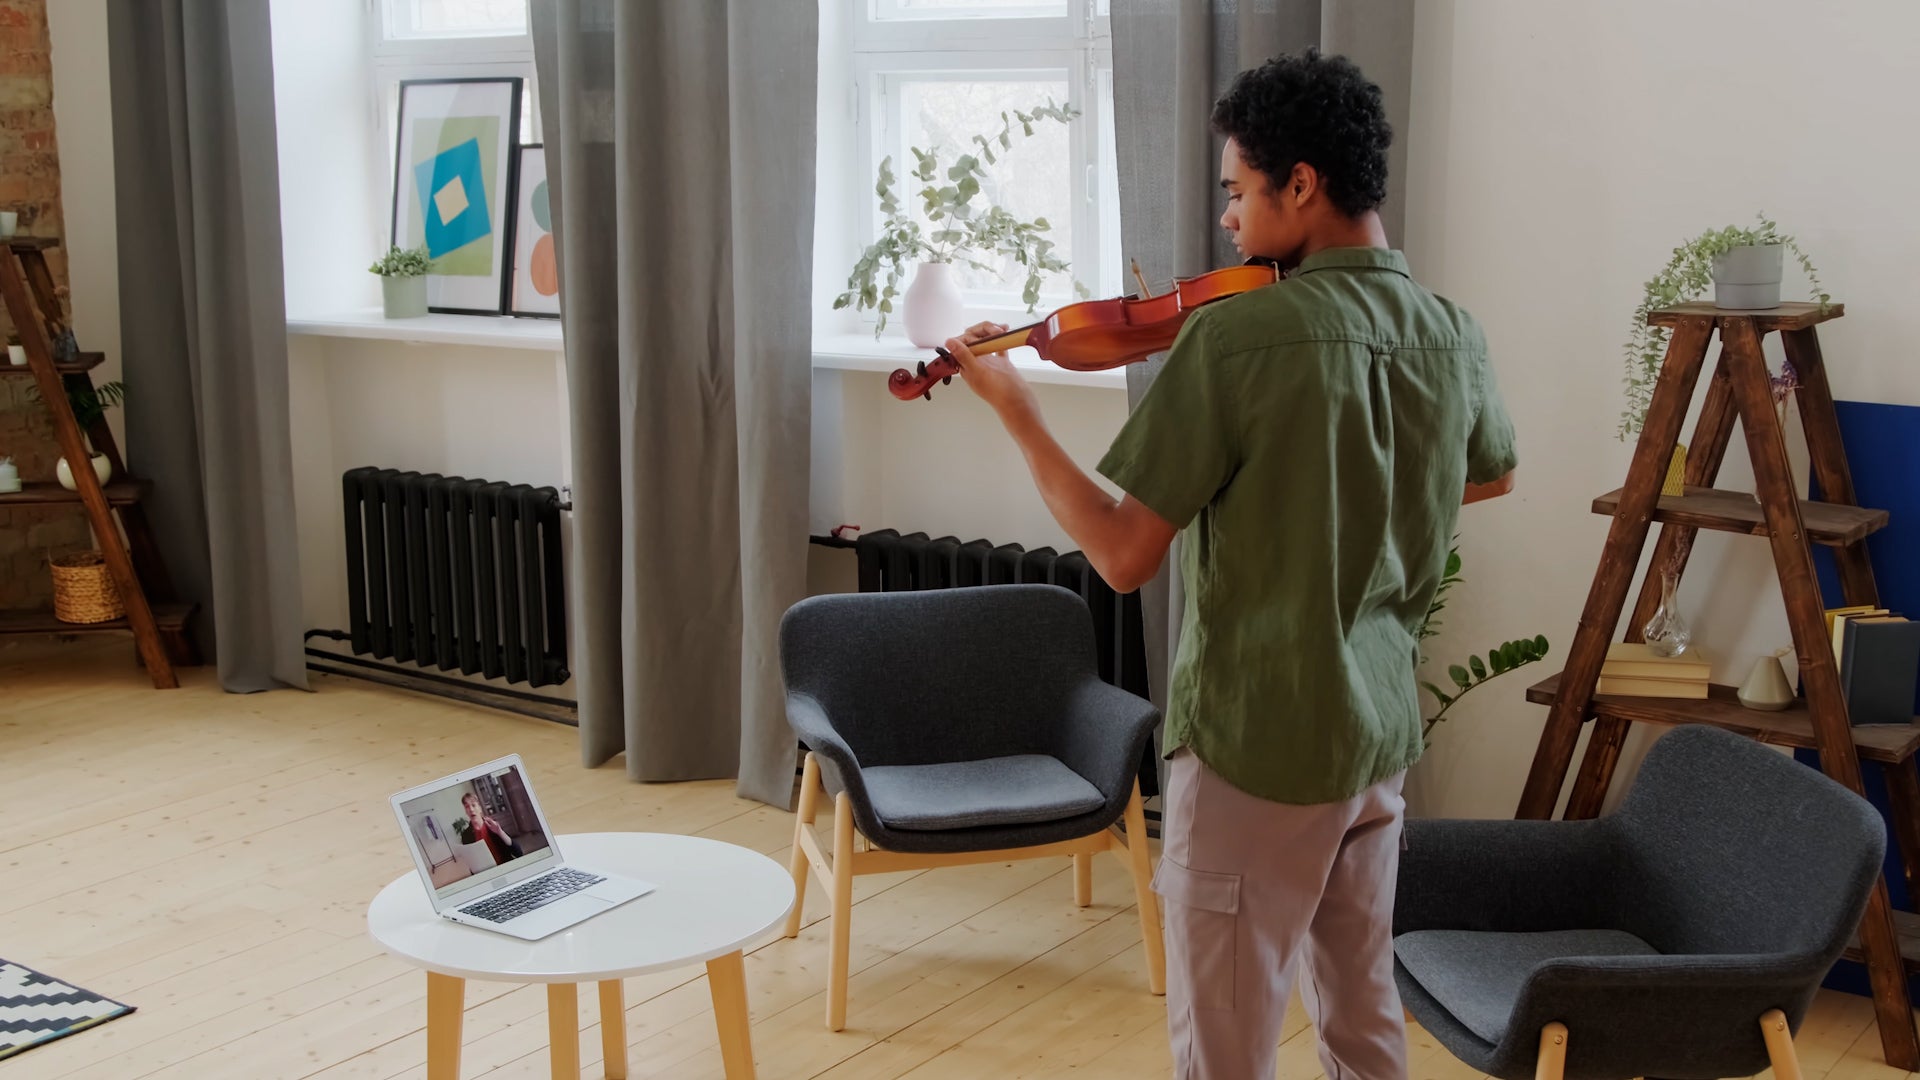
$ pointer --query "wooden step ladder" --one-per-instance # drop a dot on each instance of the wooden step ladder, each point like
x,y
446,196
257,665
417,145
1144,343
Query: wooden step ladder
x,y
159,624
1741,388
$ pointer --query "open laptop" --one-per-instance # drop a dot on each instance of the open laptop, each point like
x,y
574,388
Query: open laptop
x,y
488,859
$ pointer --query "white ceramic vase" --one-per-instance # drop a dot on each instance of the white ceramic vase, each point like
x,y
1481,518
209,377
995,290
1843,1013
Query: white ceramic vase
x,y
1766,688
101,469
933,309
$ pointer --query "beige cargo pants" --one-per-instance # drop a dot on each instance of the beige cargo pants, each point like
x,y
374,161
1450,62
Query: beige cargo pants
x,y
1256,892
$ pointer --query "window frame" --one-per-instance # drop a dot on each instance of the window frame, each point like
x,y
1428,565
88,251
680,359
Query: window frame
x,y
393,60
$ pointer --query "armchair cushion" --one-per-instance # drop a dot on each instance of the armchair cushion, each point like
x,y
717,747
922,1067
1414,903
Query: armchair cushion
x,y
1478,976
1019,790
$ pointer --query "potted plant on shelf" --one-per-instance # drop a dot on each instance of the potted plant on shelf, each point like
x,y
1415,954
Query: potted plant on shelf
x,y
1506,657
957,230
1744,267
16,352
89,404
403,281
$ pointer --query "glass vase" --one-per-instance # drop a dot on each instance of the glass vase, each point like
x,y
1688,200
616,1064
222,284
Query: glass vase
x,y
1667,632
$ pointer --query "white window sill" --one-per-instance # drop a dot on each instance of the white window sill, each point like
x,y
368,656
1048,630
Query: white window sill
x,y
832,352
485,331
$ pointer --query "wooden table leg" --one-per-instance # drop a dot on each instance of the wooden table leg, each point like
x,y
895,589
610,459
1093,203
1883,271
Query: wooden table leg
x,y
727,979
613,1027
563,1029
446,1005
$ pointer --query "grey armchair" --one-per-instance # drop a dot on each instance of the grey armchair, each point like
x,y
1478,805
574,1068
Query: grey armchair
x,y
1682,936
960,726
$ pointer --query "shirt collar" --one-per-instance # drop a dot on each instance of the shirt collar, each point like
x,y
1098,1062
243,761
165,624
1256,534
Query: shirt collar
x,y
1355,258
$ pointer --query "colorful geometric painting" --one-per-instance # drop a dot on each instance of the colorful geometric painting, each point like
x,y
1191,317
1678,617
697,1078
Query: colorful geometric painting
x,y
536,265
453,170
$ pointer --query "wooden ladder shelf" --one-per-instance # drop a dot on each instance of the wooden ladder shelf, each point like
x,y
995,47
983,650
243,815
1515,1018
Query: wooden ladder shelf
x,y
1740,388
159,624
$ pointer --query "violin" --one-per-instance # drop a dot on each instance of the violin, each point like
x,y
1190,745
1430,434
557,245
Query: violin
x,y
1094,335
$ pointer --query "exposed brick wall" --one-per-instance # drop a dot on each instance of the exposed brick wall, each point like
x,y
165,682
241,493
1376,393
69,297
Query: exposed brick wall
x,y
30,185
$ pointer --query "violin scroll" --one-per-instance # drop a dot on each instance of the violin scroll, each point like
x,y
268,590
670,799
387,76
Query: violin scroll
x,y
907,385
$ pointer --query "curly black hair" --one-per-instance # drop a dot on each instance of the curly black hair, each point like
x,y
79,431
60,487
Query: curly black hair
x,y
1315,109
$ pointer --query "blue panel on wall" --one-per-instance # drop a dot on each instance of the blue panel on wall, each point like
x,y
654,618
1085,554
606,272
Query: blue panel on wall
x,y
1883,453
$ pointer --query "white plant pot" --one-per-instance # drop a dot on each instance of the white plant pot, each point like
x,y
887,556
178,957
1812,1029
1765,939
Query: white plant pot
x,y
933,308
101,468
17,355
1748,278
475,856
403,297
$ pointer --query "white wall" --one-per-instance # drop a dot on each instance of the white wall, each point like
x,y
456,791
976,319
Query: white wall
x,y
83,131
1558,153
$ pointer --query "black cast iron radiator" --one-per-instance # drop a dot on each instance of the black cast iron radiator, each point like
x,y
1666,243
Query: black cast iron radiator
x,y
448,572
891,562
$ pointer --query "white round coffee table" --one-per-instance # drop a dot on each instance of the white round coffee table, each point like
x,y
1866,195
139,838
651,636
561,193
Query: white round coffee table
x,y
711,900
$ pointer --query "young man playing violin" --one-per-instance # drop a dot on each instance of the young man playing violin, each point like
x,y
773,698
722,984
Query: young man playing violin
x,y
1315,438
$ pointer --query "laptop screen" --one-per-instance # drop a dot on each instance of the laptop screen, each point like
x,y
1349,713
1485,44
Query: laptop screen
x,y
471,831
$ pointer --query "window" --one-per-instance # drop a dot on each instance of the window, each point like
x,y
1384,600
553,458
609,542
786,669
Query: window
x,y
938,72
442,39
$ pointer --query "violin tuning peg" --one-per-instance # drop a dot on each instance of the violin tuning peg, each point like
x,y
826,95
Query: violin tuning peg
x,y
948,381
922,369
927,394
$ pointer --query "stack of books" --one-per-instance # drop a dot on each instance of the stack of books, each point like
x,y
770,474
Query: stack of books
x,y
1878,654
1634,670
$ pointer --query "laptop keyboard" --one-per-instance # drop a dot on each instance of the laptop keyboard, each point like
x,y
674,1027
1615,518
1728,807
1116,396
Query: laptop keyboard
x,y
537,893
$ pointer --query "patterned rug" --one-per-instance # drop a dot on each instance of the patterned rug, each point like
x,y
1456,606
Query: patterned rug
x,y
36,1009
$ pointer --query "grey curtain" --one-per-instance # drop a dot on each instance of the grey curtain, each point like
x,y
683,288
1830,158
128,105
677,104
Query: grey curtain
x,y
203,320
680,156
1171,60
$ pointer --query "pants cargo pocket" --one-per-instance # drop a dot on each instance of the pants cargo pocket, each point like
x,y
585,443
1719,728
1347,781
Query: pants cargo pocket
x,y
1202,912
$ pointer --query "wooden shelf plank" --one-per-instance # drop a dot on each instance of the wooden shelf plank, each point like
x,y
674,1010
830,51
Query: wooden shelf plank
x,y
123,492
79,365
1793,726
32,243
41,621
1785,317
1906,926
1736,511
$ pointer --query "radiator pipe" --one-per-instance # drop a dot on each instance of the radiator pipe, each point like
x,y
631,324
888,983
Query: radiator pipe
x,y
472,693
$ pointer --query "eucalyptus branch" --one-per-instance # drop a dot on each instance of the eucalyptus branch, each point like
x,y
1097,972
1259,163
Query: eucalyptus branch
x,y
956,229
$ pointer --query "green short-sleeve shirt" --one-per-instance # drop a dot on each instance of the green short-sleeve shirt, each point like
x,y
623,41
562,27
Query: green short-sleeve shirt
x,y
1313,439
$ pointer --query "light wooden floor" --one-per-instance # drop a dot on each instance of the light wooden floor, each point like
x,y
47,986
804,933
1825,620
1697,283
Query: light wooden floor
x,y
208,857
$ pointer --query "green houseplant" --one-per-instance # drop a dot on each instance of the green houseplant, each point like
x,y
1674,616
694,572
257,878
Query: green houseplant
x,y
403,281
962,226
89,404
1744,267
1503,658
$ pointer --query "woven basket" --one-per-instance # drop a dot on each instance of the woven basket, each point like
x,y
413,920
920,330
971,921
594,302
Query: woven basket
x,y
83,590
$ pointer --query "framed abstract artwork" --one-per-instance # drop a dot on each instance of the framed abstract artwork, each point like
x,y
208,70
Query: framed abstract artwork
x,y
453,175
535,290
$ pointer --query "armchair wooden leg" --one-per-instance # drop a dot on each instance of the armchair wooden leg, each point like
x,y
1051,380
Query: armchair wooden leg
x,y
1779,1036
1082,880
802,821
1140,864
842,914
1553,1052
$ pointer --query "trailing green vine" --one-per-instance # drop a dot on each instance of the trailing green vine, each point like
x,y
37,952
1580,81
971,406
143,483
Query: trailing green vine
x,y
1687,276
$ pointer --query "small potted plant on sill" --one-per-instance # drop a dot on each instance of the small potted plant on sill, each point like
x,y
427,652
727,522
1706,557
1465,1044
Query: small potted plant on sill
x,y
89,404
403,281
16,352
1744,267
957,230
